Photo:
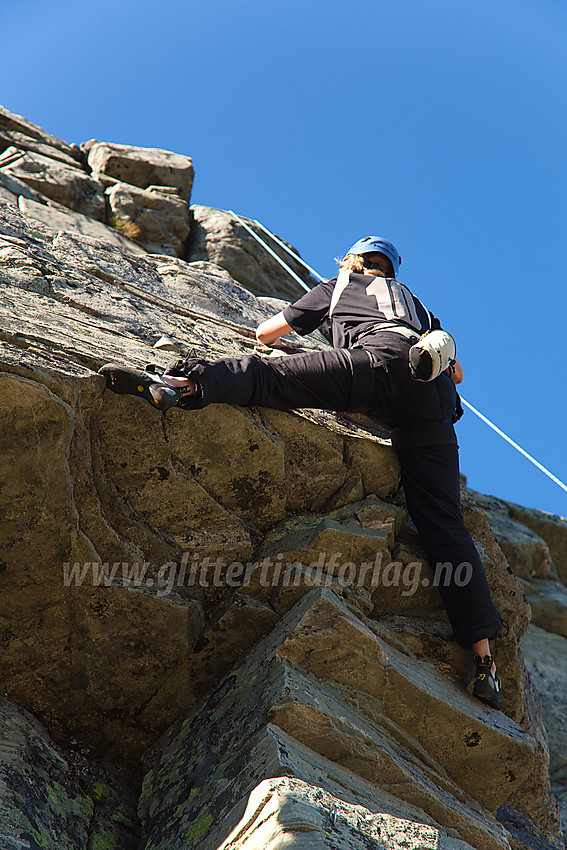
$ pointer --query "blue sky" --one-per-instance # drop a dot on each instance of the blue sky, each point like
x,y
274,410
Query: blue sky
x,y
440,125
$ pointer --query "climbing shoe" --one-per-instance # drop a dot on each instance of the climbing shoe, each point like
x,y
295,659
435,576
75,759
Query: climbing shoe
x,y
147,385
486,686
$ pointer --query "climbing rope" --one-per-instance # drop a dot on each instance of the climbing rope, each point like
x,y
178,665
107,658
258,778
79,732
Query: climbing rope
x,y
298,259
514,444
273,253
289,251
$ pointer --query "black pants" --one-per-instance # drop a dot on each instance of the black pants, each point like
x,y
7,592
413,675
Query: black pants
x,y
420,417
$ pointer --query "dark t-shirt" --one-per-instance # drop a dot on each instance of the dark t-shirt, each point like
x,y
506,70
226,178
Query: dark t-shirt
x,y
357,306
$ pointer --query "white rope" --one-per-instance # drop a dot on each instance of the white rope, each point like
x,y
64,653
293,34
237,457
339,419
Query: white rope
x,y
514,444
289,251
269,250
465,402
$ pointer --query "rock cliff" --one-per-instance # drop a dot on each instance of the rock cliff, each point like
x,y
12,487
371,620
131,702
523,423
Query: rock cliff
x,y
215,626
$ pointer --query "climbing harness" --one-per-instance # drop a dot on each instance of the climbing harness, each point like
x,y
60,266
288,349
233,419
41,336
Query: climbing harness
x,y
298,259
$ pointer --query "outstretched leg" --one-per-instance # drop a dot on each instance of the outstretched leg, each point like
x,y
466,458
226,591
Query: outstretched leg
x,y
317,379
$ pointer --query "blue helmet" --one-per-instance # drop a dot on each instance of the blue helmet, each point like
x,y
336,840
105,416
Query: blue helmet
x,y
375,243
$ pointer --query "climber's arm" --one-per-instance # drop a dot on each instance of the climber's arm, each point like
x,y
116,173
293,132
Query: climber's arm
x,y
270,331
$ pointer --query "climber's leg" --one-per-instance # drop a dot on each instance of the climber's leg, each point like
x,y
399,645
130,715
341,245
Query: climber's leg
x,y
317,379
430,476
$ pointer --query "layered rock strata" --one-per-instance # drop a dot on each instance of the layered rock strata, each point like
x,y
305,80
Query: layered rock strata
x,y
325,679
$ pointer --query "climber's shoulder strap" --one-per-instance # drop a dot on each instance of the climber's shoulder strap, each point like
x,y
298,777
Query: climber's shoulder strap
x,y
343,280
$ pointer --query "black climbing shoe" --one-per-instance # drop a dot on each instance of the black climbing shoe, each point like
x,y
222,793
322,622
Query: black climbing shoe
x,y
486,686
127,381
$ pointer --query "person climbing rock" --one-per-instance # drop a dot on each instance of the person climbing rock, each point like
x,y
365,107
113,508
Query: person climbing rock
x,y
390,360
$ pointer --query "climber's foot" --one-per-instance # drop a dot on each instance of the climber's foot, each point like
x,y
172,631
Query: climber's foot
x,y
486,683
149,386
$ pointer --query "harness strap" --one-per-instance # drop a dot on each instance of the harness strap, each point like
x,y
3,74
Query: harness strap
x,y
343,280
362,364
409,333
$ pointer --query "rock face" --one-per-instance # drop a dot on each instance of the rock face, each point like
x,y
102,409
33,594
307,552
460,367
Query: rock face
x,y
68,185
60,219
287,809
157,220
51,799
218,237
186,589
536,546
142,167
14,129
340,710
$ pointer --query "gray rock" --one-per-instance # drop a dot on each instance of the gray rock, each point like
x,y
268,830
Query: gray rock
x,y
317,551
401,588
287,809
13,138
526,552
142,167
165,343
52,799
375,461
210,760
548,601
546,658
124,485
562,803
553,529
65,184
142,626
12,123
158,221
546,655
530,524
364,662
505,587
218,237
534,799
329,548
68,595
524,833
320,783
70,222
17,187
308,488
7,196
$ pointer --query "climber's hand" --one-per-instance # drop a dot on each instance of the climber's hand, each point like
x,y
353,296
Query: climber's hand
x,y
456,372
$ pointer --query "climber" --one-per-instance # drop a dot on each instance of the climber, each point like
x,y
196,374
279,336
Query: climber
x,y
383,364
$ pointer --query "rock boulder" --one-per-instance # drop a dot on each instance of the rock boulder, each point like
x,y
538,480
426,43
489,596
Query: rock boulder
x,y
157,220
218,237
142,167
66,184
